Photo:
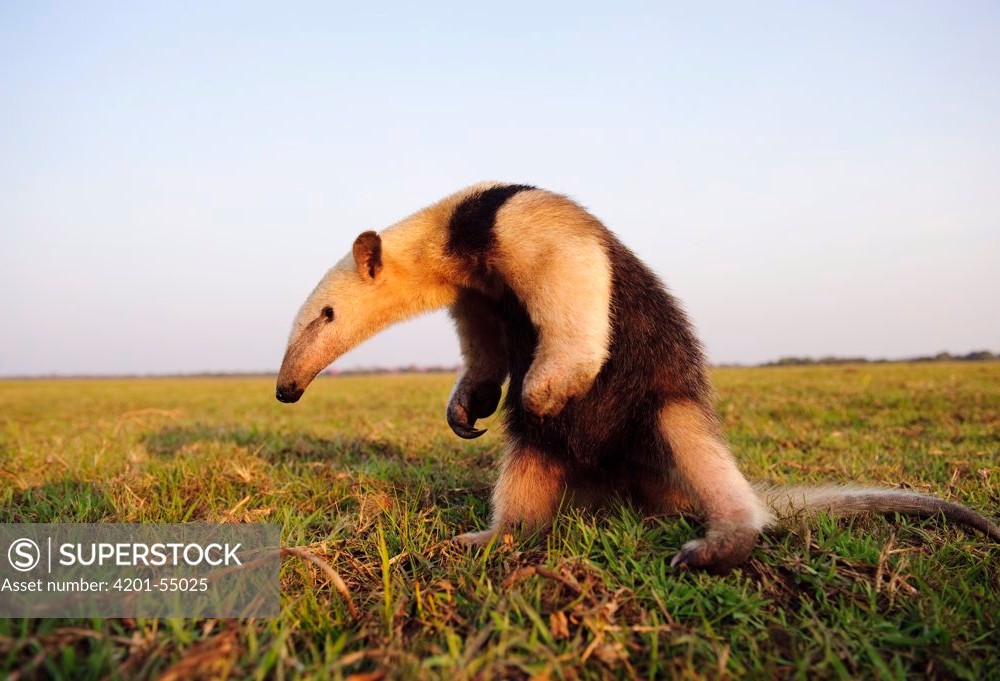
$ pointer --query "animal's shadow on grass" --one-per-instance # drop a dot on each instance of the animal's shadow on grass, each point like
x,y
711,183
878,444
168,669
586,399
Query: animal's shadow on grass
x,y
69,501
273,446
413,472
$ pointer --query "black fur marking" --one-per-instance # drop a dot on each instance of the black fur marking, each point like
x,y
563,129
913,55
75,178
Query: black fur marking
x,y
485,399
613,431
470,230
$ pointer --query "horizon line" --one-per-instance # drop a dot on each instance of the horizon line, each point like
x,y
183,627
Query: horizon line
x,y
792,360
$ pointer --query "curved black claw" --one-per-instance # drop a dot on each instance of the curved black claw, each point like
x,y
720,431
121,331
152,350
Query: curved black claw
x,y
459,421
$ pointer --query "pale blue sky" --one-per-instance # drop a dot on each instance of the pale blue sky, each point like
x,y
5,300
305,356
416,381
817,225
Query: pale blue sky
x,y
809,178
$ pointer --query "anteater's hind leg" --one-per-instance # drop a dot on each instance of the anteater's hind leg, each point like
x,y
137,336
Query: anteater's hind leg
x,y
705,468
526,496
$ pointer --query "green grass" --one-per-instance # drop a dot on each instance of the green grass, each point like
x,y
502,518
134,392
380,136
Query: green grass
x,y
366,472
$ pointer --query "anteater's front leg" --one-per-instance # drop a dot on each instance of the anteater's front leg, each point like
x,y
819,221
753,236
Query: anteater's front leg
x,y
526,496
707,471
477,391
564,281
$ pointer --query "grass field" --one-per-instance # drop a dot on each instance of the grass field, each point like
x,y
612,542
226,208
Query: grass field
x,y
366,473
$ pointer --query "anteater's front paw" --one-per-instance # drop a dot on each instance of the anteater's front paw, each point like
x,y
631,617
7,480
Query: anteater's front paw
x,y
548,390
541,399
469,402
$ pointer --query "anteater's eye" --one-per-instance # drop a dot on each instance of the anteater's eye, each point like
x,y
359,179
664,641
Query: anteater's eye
x,y
328,313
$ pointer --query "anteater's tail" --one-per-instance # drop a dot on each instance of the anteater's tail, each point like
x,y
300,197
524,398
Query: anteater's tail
x,y
786,502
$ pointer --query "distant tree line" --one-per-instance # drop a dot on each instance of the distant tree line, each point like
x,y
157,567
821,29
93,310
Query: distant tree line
x,y
977,356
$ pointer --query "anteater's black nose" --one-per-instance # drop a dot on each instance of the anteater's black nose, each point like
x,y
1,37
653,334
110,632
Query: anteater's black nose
x,y
288,393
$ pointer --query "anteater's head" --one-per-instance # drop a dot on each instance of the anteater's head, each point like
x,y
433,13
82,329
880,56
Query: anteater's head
x,y
348,305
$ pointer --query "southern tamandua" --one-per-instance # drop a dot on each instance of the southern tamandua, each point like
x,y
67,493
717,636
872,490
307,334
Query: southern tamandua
x,y
608,393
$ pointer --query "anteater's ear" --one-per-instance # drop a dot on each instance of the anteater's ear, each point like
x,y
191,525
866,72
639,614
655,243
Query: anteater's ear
x,y
368,254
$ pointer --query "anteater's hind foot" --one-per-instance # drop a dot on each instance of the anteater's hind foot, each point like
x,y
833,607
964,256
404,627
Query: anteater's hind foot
x,y
722,549
526,496
705,468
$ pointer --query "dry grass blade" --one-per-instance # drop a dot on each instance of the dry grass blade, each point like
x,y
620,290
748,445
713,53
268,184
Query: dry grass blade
x,y
208,659
566,581
377,675
335,578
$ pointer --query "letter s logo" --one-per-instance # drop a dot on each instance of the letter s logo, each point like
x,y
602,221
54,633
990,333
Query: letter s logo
x,y
23,555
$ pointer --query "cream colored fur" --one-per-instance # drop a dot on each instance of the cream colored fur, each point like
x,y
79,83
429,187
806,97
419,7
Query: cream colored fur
x,y
708,470
553,259
415,277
